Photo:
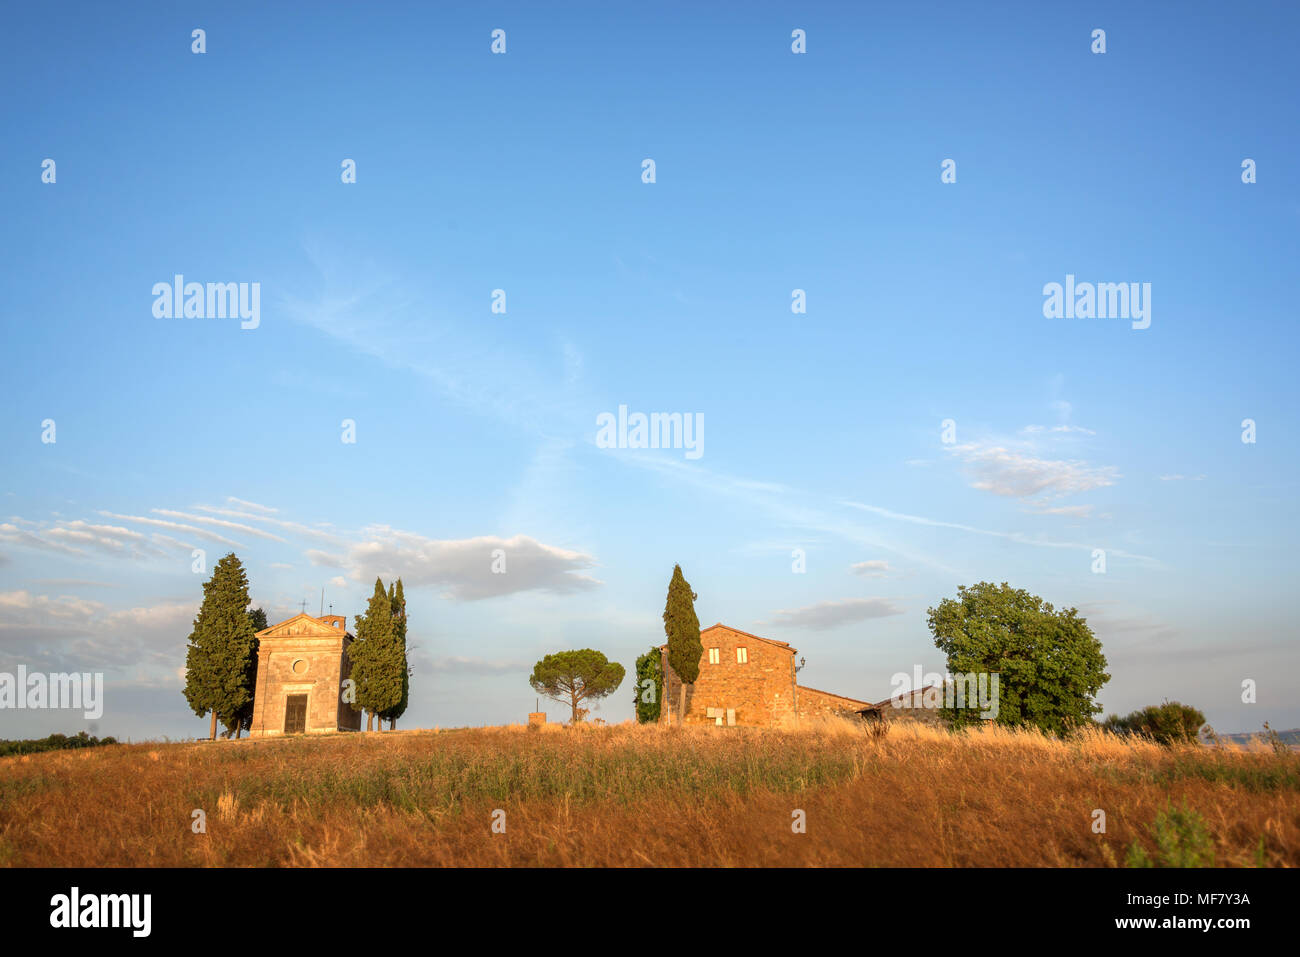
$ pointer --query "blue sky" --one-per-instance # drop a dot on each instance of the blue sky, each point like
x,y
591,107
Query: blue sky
x,y
475,430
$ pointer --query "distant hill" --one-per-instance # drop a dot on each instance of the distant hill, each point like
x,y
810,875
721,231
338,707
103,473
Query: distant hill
x,y
1291,738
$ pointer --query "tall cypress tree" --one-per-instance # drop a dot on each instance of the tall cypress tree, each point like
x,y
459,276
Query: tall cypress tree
x,y
378,684
683,630
220,647
397,658
244,719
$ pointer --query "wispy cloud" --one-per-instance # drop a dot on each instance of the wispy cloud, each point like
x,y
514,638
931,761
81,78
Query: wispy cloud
x,y
174,526
1017,537
219,523
832,614
1058,429
23,538
72,583
296,528
376,314
788,506
78,538
1017,474
251,506
1074,511
460,665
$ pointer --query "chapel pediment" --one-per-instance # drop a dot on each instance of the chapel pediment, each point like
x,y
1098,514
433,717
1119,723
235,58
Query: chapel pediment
x,y
307,626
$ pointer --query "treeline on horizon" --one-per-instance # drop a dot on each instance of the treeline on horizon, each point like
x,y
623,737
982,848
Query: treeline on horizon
x,y
55,742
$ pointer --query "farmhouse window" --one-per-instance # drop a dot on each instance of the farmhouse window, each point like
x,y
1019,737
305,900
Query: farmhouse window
x,y
714,656
742,656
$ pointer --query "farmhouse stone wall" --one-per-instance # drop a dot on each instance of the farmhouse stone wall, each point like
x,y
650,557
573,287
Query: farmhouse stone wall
x,y
760,691
919,705
822,703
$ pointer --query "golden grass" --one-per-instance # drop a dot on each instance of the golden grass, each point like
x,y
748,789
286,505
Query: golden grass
x,y
628,795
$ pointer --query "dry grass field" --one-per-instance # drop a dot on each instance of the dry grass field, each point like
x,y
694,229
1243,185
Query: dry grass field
x,y
636,796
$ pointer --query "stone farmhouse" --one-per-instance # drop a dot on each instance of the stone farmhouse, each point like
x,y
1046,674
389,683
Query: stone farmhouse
x,y
749,680
301,666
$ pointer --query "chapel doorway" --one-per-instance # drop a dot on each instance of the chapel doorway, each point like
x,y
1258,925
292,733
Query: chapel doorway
x,y
295,714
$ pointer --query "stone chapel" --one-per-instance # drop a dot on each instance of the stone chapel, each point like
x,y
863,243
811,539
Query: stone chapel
x,y
302,665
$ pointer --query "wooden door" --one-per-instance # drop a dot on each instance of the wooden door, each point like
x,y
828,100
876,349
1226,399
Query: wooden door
x,y
295,714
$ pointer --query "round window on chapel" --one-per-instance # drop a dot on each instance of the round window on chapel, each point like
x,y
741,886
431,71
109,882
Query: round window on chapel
x,y
300,666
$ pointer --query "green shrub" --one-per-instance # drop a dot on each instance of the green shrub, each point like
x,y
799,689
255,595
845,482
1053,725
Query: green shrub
x,y
1182,840
1166,723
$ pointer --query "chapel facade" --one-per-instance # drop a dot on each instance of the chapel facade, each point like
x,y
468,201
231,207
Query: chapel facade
x,y
302,665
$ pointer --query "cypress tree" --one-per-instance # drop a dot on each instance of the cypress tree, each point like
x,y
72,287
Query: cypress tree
x,y
244,719
398,663
374,655
221,645
683,630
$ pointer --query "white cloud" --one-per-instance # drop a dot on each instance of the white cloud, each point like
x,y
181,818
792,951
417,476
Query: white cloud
x,y
219,522
61,607
462,568
251,506
295,527
832,614
1016,474
1059,429
324,559
175,526
1018,537
1074,511
871,569
65,632
112,535
78,538
173,542
73,583
456,664
21,537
